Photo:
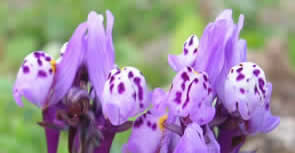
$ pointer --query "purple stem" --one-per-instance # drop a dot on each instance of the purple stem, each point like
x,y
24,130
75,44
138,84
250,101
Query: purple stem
x,y
106,144
52,135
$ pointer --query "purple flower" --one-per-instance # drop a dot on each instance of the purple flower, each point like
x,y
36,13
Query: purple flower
x,y
208,55
191,95
197,140
93,50
34,78
148,129
125,95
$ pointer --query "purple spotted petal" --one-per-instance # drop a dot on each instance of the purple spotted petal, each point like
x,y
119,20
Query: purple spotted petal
x,y
245,89
262,120
52,135
191,93
194,141
149,125
67,68
188,57
34,79
125,95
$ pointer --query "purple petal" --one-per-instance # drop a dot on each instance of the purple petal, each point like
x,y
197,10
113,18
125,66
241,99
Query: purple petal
x,y
262,120
191,92
146,126
210,58
159,99
110,53
230,141
188,57
192,141
52,135
96,52
67,68
225,15
244,89
37,69
125,95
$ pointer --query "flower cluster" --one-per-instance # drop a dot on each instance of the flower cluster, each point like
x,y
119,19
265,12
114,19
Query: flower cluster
x,y
216,99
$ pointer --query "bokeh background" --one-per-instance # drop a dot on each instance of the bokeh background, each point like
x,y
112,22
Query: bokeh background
x,y
145,32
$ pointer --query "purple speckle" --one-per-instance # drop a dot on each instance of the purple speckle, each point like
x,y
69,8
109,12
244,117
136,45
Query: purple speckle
x,y
184,76
187,95
191,41
232,71
50,71
140,89
134,95
205,78
256,90
154,126
240,69
121,88
48,58
185,51
138,122
149,124
130,75
267,106
178,97
118,72
242,90
256,72
240,77
39,62
209,90
204,85
254,65
109,75
42,74
37,54
189,69
111,88
261,84
141,105
112,79
195,50
196,80
26,69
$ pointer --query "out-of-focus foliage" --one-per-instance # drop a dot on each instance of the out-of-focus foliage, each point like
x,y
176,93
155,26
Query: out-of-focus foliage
x,y
28,25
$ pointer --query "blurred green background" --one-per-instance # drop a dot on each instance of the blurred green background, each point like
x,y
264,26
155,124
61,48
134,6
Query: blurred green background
x,y
145,32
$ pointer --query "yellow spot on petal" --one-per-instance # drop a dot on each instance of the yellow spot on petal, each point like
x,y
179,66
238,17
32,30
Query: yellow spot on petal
x,y
197,73
53,65
161,121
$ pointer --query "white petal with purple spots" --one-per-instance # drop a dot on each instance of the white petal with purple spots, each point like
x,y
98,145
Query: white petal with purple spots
x,y
34,78
189,90
149,125
245,89
125,94
188,56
